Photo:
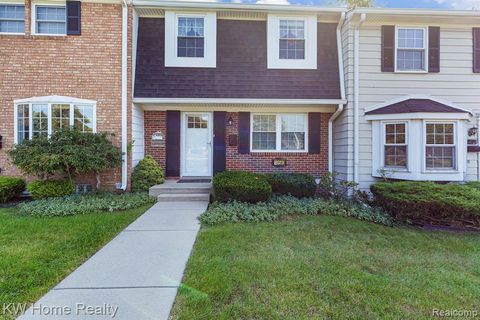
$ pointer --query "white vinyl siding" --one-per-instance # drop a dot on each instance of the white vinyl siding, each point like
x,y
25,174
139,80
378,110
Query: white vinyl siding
x,y
138,132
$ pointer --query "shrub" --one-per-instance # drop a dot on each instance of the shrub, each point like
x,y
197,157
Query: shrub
x,y
429,202
241,186
146,174
10,187
50,188
280,206
296,184
85,203
67,152
333,188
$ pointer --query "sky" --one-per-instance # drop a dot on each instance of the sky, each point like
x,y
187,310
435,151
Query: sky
x,y
434,4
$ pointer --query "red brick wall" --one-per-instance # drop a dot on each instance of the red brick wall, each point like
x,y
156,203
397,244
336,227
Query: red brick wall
x,y
86,66
257,162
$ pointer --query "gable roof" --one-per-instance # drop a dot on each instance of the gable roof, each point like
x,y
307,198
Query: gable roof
x,y
415,104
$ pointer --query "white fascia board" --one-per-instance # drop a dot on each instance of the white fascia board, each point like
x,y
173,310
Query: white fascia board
x,y
425,12
415,96
237,6
54,99
419,115
236,101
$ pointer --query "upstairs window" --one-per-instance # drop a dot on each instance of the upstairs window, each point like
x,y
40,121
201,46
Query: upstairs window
x,y
50,20
190,40
411,49
440,147
292,39
12,18
395,147
292,42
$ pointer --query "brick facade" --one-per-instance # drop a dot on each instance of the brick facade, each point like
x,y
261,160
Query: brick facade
x,y
88,66
314,164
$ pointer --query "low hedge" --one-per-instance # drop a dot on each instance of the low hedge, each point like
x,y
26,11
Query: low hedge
x,y
241,186
10,187
146,174
296,184
428,202
84,204
280,206
41,189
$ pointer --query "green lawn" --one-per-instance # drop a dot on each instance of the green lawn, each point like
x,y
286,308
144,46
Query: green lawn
x,y
326,267
37,253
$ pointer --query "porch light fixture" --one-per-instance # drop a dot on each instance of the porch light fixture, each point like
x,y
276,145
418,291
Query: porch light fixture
x,y
472,131
230,121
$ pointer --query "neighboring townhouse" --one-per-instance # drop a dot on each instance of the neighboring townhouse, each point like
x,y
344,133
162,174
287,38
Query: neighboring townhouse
x,y
235,87
61,65
413,89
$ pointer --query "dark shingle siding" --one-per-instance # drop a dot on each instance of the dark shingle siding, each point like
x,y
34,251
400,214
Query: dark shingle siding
x,y
241,70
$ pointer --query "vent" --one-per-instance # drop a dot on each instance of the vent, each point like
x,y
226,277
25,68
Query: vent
x,y
242,15
151,12
83,188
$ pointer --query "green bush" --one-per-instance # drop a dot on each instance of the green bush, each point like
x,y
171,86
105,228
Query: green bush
x,y
280,206
430,202
241,186
50,188
296,184
146,174
85,203
10,187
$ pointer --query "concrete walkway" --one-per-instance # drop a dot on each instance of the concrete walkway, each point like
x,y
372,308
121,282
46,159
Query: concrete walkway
x,y
135,276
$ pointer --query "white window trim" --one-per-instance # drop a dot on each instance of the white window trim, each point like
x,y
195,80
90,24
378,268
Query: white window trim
x,y
455,145
24,18
50,129
278,133
33,25
273,43
209,59
425,50
384,143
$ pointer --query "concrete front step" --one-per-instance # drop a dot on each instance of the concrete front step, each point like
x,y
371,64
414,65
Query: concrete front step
x,y
169,197
187,190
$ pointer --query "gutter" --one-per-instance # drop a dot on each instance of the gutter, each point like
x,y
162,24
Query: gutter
x,y
124,95
356,97
237,101
342,92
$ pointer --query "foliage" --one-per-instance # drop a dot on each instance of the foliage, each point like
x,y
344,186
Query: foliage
x,y
41,189
429,202
296,184
67,152
281,206
333,188
146,174
241,186
10,187
357,3
83,204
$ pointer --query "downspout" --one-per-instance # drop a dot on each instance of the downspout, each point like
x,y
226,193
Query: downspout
x,y
356,96
124,95
342,92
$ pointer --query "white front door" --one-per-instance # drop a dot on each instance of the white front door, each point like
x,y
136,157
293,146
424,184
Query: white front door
x,y
197,144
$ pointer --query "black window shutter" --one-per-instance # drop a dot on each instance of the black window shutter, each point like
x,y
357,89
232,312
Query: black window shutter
x,y
476,50
388,48
244,132
74,13
173,144
219,141
314,126
433,49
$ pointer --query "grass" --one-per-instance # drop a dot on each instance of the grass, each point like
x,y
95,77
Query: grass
x,y
36,254
327,267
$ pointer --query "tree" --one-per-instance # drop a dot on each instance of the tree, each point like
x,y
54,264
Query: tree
x,y
67,152
357,3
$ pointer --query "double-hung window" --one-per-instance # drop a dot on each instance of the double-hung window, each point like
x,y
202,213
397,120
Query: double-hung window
x,y
191,37
42,117
292,39
411,49
440,148
279,132
395,146
50,20
12,18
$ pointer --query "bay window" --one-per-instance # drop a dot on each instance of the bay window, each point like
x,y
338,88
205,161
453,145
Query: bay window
x,y
395,146
42,116
279,132
440,146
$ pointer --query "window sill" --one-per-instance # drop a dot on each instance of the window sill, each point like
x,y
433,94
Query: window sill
x,y
11,34
449,171
411,71
278,153
48,35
